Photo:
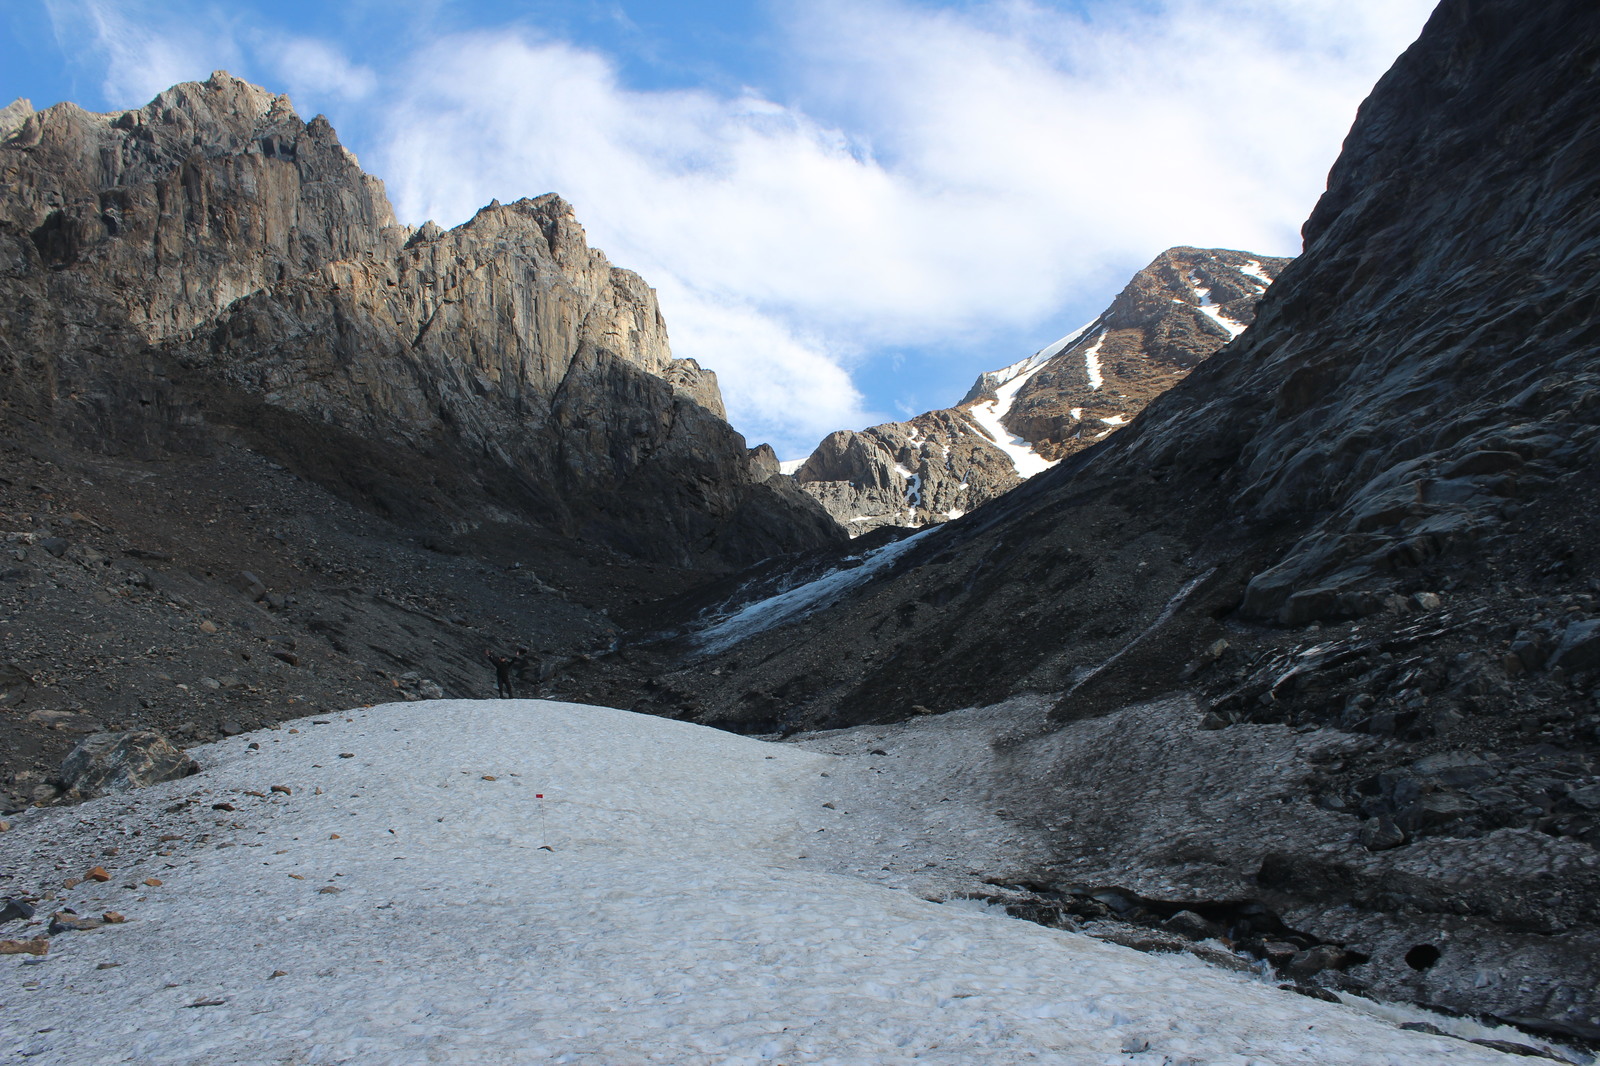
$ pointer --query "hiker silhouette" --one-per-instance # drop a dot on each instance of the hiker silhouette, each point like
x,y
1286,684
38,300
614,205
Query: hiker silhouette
x,y
506,668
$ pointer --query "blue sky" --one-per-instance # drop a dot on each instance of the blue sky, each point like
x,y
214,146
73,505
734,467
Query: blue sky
x,y
849,207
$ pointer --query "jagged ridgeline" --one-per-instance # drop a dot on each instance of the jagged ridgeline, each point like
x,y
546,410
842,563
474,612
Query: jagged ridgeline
x,y
211,267
1022,419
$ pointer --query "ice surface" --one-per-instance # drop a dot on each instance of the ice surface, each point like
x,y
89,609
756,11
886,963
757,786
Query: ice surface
x,y
698,904
802,599
1050,351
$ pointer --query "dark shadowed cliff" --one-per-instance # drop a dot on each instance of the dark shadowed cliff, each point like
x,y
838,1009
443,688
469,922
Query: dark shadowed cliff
x,y
1352,554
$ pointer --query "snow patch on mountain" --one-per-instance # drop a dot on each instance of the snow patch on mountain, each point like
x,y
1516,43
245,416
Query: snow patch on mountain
x,y
1253,268
802,599
1091,362
1209,308
990,415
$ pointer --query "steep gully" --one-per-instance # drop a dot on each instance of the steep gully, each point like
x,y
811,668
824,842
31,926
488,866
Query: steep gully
x,y
1377,710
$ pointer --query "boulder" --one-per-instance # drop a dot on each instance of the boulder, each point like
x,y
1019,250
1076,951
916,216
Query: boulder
x,y
119,762
1580,646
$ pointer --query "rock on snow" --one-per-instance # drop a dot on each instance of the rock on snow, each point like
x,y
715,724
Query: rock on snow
x,y
677,917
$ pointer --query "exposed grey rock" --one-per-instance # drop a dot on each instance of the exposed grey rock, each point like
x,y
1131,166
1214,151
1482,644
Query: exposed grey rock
x,y
1580,646
118,762
14,115
1191,925
210,268
931,469
1381,833
13,909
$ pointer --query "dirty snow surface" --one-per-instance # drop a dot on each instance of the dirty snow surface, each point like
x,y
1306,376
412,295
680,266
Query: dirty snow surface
x,y
697,903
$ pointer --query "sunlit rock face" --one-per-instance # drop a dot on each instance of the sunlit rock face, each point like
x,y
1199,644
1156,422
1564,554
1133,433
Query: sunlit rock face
x,y
1024,418
211,265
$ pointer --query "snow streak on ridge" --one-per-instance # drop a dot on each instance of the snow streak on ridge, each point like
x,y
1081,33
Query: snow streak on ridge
x,y
801,600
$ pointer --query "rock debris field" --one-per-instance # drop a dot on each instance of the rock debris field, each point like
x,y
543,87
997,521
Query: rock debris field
x,y
528,881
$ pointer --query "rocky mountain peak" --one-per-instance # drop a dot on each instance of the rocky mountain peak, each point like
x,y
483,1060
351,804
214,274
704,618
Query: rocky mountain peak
x,y
1022,419
211,260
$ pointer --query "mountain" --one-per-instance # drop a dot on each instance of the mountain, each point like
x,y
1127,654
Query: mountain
x,y
1020,420
1320,629
210,263
263,448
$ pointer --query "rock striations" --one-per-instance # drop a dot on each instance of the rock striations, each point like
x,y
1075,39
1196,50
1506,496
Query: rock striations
x,y
1025,418
211,265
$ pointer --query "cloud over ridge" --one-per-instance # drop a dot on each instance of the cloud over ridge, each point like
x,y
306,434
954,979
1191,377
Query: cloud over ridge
x,y
906,178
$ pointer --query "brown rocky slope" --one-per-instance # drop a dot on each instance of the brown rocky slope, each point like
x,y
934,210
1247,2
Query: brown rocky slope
x,y
1019,420
210,264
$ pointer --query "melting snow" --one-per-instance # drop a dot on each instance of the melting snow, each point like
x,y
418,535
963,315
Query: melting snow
x,y
1115,420
913,487
1050,351
989,415
1091,362
790,466
802,599
697,904
1253,268
1209,307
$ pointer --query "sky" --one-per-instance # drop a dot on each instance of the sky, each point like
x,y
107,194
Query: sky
x,y
849,208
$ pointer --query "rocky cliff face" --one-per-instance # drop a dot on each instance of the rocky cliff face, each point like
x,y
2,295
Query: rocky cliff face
x,y
263,452
1020,420
210,264
1354,549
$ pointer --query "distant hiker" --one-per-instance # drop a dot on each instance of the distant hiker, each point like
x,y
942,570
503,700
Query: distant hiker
x,y
506,667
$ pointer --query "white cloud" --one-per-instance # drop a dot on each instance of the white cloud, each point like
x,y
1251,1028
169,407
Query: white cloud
x,y
934,174
313,71
141,55
764,368
908,176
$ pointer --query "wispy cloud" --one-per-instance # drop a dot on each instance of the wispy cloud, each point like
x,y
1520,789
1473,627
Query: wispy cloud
x,y
314,71
928,174
141,56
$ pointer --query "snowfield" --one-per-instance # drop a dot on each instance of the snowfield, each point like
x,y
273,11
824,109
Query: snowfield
x,y
678,895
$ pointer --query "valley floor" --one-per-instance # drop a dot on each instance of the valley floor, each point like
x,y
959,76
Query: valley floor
x,y
526,881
